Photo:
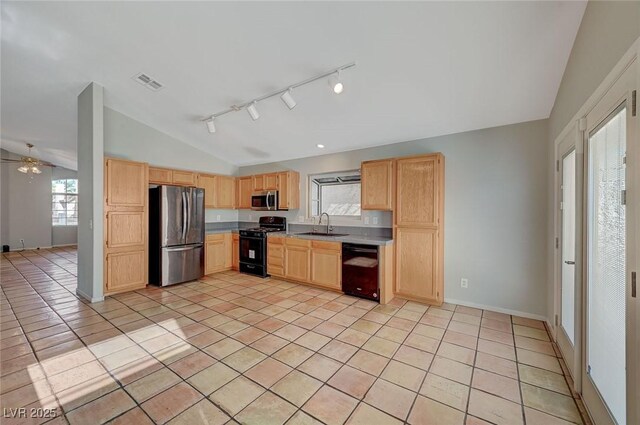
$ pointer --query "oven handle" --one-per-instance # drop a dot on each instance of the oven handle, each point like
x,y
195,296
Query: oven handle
x,y
252,237
363,250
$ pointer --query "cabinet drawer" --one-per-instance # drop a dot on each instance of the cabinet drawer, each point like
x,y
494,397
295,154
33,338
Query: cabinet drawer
x,y
275,240
334,246
275,261
215,237
297,242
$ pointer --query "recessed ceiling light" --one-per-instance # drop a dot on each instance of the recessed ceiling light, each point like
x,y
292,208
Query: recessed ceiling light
x,y
320,146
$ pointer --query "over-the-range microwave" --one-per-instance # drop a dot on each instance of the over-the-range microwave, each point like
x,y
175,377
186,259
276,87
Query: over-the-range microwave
x,y
265,201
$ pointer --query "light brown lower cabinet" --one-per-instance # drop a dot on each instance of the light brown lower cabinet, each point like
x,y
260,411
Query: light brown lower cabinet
x,y
275,256
126,271
298,259
235,251
417,265
217,253
326,264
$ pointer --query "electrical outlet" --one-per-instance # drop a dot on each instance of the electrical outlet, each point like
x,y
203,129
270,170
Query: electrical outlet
x,y
300,219
250,217
366,219
218,217
375,220
464,283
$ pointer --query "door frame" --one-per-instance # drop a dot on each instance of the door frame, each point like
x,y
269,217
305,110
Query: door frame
x,y
571,143
578,124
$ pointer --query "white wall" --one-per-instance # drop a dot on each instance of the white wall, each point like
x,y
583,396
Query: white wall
x,y
607,31
495,209
127,138
26,207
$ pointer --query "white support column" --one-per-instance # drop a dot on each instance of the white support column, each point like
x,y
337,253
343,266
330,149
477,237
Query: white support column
x,y
90,196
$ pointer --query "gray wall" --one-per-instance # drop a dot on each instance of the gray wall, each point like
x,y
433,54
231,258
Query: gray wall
x,y
495,209
607,31
127,138
26,207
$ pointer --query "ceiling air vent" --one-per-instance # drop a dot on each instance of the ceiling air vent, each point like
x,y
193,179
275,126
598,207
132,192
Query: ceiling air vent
x,y
147,81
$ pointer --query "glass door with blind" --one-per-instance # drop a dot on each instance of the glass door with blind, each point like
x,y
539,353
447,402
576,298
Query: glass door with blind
x,y
606,367
566,335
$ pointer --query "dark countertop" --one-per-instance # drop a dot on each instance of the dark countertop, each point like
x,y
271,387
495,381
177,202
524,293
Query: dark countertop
x,y
360,239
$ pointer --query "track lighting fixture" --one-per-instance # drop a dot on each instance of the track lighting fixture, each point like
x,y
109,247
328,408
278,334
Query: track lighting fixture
x,y
288,99
335,83
211,125
285,94
253,111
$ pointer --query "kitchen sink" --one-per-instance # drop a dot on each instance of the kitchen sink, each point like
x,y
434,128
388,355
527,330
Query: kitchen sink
x,y
323,234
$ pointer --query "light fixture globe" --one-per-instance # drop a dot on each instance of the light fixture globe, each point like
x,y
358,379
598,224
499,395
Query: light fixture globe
x,y
335,83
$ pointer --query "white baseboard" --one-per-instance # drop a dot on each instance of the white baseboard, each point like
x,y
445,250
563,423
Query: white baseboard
x,y
88,298
497,309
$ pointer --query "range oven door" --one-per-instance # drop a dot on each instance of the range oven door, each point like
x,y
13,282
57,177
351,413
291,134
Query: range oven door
x,y
265,201
253,255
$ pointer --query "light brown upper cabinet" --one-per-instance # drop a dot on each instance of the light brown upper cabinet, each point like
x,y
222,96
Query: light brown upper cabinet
x,y
208,183
270,181
125,225
184,178
160,175
419,192
125,183
219,191
225,192
244,190
288,190
174,177
377,185
258,182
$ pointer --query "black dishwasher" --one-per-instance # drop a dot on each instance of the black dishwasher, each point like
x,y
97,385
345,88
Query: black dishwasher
x,y
360,270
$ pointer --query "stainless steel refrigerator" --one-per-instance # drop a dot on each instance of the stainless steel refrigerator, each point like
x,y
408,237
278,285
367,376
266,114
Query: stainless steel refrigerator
x,y
176,234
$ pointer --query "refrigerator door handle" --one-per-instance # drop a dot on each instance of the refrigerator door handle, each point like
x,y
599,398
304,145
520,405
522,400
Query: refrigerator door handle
x,y
184,216
187,216
182,248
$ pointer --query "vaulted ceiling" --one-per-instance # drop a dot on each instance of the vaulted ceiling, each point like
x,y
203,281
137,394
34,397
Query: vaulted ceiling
x,y
423,69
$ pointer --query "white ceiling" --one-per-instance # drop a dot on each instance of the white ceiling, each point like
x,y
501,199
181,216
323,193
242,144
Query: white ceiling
x,y
423,69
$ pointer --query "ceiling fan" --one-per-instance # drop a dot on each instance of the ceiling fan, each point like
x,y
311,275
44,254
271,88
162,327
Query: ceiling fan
x,y
28,163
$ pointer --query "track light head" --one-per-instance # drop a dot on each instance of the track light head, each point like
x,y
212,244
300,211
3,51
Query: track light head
x,y
335,83
288,99
211,125
253,111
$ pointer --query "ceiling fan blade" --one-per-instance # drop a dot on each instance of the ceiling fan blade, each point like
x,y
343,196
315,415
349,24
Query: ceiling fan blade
x,y
10,160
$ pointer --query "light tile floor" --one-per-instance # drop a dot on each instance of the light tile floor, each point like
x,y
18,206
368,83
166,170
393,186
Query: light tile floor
x,y
233,347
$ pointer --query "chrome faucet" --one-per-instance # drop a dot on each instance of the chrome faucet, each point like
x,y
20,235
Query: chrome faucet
x,y
320,221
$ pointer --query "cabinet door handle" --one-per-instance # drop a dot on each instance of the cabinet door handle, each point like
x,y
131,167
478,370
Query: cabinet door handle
x,y
571,263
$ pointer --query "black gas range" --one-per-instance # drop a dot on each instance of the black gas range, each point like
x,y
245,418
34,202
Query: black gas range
x,y
253,245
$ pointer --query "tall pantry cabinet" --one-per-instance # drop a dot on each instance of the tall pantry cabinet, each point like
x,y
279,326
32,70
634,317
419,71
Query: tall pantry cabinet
x,y
126,222
418,228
